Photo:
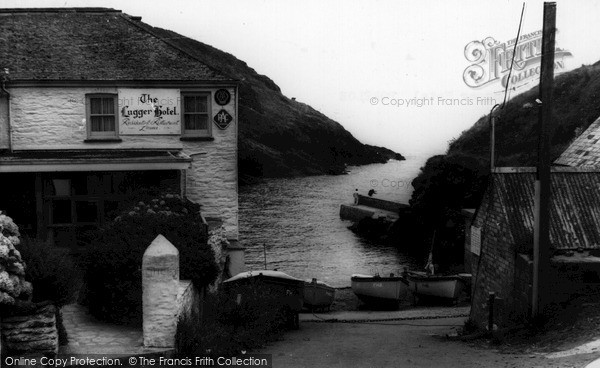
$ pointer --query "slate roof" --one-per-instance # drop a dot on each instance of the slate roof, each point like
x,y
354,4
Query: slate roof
x,y
91,44
574,212
585,150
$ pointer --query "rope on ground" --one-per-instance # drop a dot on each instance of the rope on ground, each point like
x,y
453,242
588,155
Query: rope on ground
x,y
373,321
408,324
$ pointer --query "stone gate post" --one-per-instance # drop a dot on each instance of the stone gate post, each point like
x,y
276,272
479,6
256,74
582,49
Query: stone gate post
x,y
160,284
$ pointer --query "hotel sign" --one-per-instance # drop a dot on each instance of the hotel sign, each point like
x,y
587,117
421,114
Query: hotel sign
x,y
149,111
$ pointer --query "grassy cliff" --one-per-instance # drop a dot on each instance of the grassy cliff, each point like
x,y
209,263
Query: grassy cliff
x,y
576,106
279,136
447,183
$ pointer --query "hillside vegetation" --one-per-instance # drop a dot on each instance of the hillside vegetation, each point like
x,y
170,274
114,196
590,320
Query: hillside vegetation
x,y
279,136
447,183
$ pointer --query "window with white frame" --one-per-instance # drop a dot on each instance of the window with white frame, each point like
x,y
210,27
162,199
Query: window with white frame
x,y
101,116
196,114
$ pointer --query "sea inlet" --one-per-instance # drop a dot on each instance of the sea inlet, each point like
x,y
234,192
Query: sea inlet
x,y
296,221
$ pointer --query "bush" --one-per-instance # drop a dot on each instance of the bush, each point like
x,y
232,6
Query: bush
x,y
51,272
227,328
113,262
13,286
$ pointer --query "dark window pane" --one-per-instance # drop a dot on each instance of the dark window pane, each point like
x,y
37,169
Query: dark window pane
x,y
116,183
196,122
96,123
61,211
195,103
80,185
189,122
201,122
62,187
108,106
87,211
103,123
201,104
188,103
94,184
95,105
109,123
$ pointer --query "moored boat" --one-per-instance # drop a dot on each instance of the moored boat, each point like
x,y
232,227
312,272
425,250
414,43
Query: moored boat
x,y
380,291
318,295
445,287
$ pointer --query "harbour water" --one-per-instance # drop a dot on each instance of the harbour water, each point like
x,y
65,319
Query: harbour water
x,y
297,220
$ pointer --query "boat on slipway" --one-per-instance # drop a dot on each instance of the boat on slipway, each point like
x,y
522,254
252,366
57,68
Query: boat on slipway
x,y
287,289
437,286
380,291
318,295
428,284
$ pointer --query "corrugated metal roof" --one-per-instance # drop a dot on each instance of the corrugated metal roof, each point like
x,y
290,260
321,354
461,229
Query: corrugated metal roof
x,y
574,210
585,150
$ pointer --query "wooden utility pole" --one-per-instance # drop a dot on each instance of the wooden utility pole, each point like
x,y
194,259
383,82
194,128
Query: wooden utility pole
x,y
541,245
493,139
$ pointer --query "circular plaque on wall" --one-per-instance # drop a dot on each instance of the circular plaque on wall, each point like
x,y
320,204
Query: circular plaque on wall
x,y
222,97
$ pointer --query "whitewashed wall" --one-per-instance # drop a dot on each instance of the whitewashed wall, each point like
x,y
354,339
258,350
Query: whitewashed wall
x,y
48,118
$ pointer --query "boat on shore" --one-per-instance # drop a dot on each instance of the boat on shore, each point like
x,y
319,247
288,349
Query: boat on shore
x,y
380,291
437,286
428,284
288,289
318,295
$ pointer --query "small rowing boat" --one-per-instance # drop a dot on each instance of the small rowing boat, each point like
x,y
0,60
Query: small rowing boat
x,y
445,287
318,295
380,291
287,289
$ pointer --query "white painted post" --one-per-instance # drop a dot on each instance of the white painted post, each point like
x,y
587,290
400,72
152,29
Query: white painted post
x,y
160,283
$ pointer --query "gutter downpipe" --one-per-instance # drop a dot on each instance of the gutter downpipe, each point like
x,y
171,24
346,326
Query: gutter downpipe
x,y
9,126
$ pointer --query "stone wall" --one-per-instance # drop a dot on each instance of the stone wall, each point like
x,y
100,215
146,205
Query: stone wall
x,y
32,333
523,286
49,118
381,203
354,213
495,270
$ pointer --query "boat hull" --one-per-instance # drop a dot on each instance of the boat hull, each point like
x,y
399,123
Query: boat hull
x,y
444,287
318,295
380,291
288,290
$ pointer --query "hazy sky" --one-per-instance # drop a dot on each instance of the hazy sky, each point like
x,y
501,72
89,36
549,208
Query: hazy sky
x,y
352,60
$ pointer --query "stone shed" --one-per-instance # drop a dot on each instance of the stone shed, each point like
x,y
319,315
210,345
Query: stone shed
x,y
500,241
